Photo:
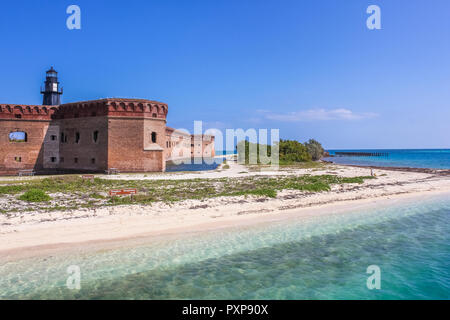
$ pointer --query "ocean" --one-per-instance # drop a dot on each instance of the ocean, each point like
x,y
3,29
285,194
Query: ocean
x,y
414,158
203,165
225,152
323,257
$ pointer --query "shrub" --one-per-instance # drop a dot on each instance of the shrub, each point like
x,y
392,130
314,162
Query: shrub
x,y
314,149
244,148
35,195
290,151
293,151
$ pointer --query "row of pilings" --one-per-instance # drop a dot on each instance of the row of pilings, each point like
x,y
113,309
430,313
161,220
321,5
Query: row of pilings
x,y
361,154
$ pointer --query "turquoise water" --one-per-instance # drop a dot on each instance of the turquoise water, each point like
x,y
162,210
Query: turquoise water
x,y
324,257
414,158
205,164
225,152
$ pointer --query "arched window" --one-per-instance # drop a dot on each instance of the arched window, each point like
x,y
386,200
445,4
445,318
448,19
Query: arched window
x,y
18,136
154,137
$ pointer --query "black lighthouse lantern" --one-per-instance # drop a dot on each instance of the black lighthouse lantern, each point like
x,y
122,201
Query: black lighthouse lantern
x,y
52,91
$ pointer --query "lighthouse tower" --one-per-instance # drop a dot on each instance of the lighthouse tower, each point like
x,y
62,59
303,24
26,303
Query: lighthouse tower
x,y
52,91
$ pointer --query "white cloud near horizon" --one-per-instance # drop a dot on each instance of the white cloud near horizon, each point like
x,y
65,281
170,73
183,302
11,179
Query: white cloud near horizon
x,y
318,115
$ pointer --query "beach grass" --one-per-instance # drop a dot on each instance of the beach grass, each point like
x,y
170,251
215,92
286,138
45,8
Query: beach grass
x,y
75,192
35,195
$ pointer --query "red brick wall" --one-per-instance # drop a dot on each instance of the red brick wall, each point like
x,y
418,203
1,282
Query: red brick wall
x,y
203,146
91,155
130,148
209,148
124,128
178,145
29,152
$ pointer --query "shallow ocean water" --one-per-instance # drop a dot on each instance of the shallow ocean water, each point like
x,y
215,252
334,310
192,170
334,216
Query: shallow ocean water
x,y
324,257
194,165
414,158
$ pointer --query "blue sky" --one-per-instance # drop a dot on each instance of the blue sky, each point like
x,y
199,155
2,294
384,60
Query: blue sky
x,y
310,68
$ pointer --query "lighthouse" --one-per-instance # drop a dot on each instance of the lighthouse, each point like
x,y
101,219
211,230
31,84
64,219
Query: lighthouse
x,y
52,92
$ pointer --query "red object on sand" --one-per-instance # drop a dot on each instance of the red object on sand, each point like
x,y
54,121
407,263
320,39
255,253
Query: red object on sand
x,y
119,192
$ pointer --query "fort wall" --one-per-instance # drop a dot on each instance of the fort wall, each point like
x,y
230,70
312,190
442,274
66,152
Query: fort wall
x,y
83,144
178,144
93,136
202,146
32,122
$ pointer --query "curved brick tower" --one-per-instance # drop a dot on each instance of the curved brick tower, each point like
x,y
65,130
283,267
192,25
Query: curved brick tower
x,y
52,92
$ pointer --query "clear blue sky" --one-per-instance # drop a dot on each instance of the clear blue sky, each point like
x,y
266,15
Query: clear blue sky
x,y
310,68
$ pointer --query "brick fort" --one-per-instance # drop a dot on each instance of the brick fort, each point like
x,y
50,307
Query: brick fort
x,y
129,135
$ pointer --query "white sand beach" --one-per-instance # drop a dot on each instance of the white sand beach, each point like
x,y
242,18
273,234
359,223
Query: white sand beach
x,y
33,233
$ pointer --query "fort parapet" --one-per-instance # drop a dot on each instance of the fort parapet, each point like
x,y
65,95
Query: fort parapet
x,y
26,112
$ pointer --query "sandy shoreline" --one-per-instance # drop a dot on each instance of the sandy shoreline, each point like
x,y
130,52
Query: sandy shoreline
x,y
442,172
29,235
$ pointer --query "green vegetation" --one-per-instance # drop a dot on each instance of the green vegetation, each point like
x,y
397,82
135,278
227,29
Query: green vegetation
x,y
11,189
249,153
76,192
226,166
35,195
290,152
293,151
270,193
95,195
314,149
